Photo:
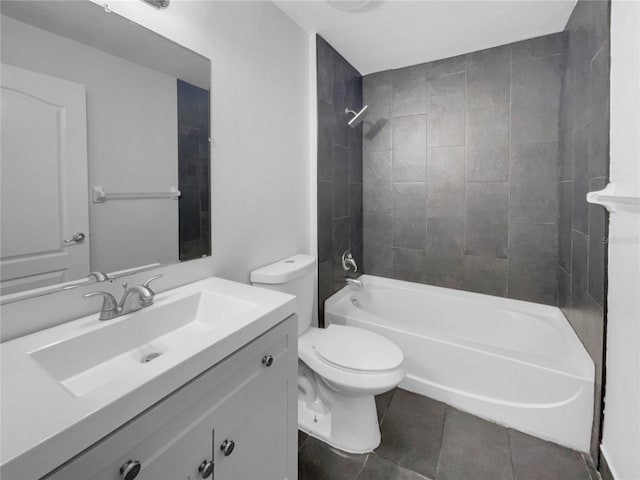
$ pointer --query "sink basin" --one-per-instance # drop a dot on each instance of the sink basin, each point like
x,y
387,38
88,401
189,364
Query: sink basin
x,y
85,362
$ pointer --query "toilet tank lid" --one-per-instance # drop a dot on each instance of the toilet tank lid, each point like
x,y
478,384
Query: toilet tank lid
x,y
284,270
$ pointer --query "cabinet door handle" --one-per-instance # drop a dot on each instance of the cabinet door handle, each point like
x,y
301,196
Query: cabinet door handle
x,y
227,447
267,360
130,470
205,469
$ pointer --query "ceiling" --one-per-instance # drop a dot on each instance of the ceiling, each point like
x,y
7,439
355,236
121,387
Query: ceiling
x,y
396,33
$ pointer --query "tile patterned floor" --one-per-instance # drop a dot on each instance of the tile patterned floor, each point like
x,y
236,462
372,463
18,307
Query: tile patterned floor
x,y
425,439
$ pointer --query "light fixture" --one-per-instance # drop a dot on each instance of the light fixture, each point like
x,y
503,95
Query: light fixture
x,y
159,4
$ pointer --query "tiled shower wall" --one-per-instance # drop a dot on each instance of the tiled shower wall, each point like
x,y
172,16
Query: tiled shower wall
x,y
460,171
339,170
584,162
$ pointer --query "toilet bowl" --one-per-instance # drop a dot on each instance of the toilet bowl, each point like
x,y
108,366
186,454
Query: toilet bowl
x,y
340,368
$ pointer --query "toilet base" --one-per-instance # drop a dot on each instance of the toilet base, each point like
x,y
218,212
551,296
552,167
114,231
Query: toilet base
x,y
350,423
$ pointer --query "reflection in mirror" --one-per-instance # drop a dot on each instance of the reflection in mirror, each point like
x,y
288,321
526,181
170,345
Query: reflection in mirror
x,y
105,146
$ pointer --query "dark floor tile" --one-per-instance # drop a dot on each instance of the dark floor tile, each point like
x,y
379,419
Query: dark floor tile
x,y
378,468
535,459
302,437
318,461
412,432
382,403
473,449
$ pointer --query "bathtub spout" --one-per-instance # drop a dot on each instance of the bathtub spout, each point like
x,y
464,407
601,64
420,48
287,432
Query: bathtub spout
x,y
353,281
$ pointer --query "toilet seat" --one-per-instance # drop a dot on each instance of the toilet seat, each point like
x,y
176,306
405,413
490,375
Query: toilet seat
x,y
344,377
356,349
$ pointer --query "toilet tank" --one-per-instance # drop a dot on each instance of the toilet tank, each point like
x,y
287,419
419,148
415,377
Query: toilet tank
x,y
294,275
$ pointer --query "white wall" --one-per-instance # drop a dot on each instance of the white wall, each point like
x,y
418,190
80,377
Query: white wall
x,y
132,142
260,124
621,436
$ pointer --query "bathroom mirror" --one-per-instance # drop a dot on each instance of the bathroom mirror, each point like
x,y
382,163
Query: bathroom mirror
x,y
105,147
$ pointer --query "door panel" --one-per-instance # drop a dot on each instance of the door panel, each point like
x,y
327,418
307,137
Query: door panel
x,y
43,127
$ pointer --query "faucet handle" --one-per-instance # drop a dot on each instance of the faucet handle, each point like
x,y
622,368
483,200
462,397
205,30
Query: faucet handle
x,y
109,304
151,279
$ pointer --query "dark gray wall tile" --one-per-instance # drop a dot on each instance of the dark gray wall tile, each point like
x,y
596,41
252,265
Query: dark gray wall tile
x,y
564,289
580,214
579,267
378,196
485,275
339,169
325,286
376,133
378,79
446,110
408,265
598,153
445,237
444,252
355,222
340,181
378,230
473,449
445,182
325,70
534,182
325,221
600,13
597,246
355,155
409,215
409,90
564,225
446,66
487,115
325,141
567,135
539,46
534,459
409,166
410,133
535,98
533,262
487,219
340,244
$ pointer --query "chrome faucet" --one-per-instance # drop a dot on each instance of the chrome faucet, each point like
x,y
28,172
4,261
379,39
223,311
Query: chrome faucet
x,y
99,276
348,262
112,309
353,281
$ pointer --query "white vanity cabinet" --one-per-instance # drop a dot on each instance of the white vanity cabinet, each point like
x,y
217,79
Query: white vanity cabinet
x,y
235,421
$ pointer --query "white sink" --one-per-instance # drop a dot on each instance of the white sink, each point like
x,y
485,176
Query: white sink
x,y
88,361
69,386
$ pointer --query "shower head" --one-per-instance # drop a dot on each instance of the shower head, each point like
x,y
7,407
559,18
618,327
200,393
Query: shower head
x,y
357,116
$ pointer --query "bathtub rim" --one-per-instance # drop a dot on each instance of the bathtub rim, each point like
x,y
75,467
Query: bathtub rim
x,y
585,369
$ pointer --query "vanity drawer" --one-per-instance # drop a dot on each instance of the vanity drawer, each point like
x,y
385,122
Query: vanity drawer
x,y
172,438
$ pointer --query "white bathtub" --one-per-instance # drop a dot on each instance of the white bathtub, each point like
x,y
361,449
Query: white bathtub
x,y
517,363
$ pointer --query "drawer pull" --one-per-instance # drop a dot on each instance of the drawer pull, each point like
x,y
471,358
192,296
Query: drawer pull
x,y
267,360
227,447
130,470
205,469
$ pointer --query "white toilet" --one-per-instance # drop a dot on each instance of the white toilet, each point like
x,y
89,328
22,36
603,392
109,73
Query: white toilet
x,y
340,368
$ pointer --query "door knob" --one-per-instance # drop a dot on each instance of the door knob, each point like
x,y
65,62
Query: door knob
x,y
205,469
76,238
227,447
267,360
130,470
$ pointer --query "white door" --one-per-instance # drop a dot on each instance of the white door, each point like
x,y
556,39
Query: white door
x,y
43,170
